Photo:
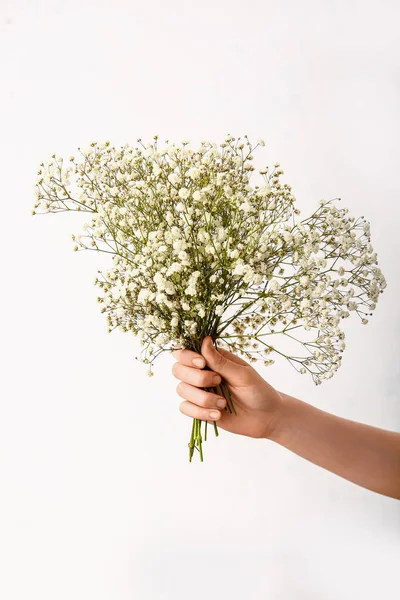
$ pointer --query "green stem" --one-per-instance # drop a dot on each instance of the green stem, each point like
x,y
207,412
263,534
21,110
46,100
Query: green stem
x,y
191,443
221,392
216,428
229,396
199,440
195,438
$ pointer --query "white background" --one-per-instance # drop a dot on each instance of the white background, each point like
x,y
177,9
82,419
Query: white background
x,y
97,498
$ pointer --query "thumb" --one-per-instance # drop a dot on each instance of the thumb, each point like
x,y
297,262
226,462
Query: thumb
x,y
229,370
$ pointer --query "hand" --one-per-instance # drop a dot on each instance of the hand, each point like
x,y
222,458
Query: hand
x,y
256,402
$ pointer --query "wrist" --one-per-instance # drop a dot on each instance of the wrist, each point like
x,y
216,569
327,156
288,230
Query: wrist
x,y
282,423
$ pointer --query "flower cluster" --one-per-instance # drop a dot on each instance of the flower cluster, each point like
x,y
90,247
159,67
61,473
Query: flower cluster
x,y
196,250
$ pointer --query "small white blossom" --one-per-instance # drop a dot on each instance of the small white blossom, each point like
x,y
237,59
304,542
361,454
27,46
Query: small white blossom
x,y
274,285
197,195
173,178
304,280
305,303
184,193
245,207
193,173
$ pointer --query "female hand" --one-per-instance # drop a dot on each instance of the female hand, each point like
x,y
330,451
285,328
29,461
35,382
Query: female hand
x,y
256,402
365,455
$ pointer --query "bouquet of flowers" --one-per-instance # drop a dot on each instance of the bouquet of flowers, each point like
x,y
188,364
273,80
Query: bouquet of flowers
x,y
197,250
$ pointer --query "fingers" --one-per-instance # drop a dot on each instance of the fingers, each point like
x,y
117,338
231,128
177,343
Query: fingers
x,y
199,397
186,357
196,412
194,376
230,370
232,357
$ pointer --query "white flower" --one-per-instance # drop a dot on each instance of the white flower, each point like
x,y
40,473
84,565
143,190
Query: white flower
x,y
239,269
184,193
157,170
261,142
197,195
170,288
274,285
174,268
193,173
287,236
190,291
264,191
169,217
143,295
249,275
228,191
160,298
287,304
245,207
221,234
305,303
219,310
173,178
304,281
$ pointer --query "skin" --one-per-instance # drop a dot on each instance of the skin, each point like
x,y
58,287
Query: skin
x,y
367,456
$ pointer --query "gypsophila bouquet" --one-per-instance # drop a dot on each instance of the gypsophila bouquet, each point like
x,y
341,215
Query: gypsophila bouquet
x,y
196,251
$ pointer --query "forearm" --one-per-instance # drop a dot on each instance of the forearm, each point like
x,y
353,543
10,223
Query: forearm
x,y
367,456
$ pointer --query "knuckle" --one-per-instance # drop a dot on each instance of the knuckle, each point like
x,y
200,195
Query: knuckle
x,y
175,369
221,360
211,377
199,413
201,379
204,399
179,388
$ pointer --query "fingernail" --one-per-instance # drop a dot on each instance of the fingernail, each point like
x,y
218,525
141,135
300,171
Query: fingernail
x,y
198,362
214,414
221,403
216,379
